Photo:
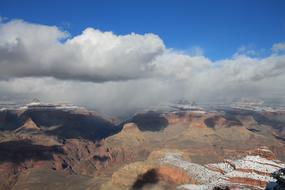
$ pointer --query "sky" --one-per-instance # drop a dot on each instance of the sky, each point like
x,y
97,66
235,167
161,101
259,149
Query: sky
x,y
219,27
119,56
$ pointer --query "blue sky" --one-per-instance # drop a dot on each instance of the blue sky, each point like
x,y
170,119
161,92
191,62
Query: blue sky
x,y
218,27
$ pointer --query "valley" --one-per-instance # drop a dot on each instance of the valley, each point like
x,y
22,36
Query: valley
x,y
157,149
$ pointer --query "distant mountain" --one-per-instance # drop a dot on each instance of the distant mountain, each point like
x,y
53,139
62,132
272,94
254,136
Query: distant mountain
x,y
64,121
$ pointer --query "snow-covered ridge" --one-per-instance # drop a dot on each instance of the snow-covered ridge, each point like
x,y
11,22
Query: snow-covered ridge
x,y
250,171
37,105
201,173
253,105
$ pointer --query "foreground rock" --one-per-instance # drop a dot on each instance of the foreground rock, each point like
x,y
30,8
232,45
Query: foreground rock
x,y
250,172
170,169
150,174
280,180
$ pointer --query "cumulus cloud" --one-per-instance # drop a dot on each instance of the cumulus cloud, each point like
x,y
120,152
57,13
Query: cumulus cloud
x,y
120,73
32,50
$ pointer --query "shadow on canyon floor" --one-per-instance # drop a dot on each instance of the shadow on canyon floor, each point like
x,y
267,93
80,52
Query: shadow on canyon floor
x,y
22,150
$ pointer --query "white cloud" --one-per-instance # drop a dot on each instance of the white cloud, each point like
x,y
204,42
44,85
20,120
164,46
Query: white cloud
x,y
278,47
31,50
247,50
120,73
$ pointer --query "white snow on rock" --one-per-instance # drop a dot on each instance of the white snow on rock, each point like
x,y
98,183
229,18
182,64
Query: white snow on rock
x,y
253,168
250,175
225,167
37,105
257,163
201,173
196,187
211,186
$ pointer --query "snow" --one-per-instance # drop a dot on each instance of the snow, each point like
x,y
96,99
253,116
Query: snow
x,y
257,163
34,104
201,173
196,187
225,167
250,175
211,186
210,178
46,106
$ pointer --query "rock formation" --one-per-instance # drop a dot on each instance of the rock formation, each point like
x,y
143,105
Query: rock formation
x,y
151,150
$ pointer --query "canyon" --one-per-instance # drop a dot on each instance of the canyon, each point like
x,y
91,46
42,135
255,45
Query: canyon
x,y
58,146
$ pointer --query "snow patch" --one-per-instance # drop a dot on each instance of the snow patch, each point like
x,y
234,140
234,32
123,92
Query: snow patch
x,y
218,174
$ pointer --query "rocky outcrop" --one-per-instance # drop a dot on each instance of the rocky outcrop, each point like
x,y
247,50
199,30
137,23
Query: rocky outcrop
x,y
250,171
263,152
29,125
156,176
130,135
74,156
174,168
279,184
129,145
63,123
149,174
83,143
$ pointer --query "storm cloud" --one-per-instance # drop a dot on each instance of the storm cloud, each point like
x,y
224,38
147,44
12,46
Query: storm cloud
x,y
117,73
